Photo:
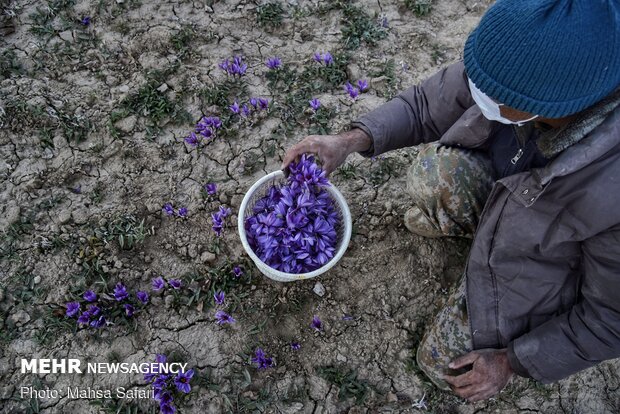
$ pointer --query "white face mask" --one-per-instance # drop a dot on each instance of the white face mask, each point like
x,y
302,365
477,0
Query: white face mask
x,y
490,108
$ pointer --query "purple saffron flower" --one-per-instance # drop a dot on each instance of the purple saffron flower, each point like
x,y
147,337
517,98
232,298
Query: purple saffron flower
x,y
182,381
274,63
261,360
317,57
158,283
245,110
168,209
175,283
120,292
315,104
90,296
234,108
84,318
167,408
77,189
238,67
192,139
129,309
254,102
93,310
295,346
142,297
328,59
263,103
316,323
72,309
225,65
237,271
362,85
98,323
85,21
351,90
219,297
223,318
161,358
182,212
211,188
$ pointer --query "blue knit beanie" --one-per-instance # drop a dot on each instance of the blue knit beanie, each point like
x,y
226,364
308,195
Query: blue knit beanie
x,y
551,58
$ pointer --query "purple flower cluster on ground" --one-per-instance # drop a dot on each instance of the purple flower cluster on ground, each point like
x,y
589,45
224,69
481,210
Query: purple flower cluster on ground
x,y
315,104
261,360
254,105
293,228
234,66
205,130
274,63
171,211
362,86
324,58
100,308
166,385
160,284
219,220
211,188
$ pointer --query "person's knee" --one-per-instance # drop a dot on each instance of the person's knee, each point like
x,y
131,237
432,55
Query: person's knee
x,y
427,359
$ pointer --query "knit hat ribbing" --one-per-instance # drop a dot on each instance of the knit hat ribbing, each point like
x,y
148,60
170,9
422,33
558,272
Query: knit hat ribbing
x,y
551,58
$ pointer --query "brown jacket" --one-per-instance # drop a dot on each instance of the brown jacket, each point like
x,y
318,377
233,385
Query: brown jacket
x,y
543,274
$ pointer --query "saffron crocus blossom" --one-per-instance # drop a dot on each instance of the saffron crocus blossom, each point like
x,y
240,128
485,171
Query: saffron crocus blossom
x,y
84,318
98,323
362,85
219,297
211,188
351,90
168,209
315,104
316,323
295,346
263,103
142,297
328,59
236,67
238,272
182,381
72,309
120,292
175,283
274,63
94,310
129,309
182,212
261,360
85,21
223,318
90,296
219,220
234,108
293,228
317,57
245,110
158,283
192,139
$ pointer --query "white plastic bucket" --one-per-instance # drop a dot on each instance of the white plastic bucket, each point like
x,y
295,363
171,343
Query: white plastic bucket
x,y
259,190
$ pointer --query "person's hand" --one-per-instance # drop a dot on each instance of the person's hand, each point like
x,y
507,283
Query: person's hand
x,y
489,374
331,149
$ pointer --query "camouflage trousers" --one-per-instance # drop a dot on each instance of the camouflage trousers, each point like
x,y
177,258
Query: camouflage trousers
x,y
449,186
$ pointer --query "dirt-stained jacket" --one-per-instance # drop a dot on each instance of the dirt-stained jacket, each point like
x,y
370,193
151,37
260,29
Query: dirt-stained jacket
x,y
543,274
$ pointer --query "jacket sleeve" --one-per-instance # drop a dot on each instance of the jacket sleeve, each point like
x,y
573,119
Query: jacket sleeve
x,y
422,113
587,334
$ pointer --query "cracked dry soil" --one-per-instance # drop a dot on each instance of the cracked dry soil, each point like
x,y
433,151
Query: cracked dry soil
x,y
75,159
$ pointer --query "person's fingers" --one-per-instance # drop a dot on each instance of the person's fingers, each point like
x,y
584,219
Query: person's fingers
x,y
463,380
293,153
468,391
480,396
464,360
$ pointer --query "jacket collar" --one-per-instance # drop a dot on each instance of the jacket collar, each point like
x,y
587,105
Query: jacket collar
x,y
582,141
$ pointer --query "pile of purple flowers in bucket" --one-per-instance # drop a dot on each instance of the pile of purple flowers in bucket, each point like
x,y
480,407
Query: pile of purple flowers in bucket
x,y
293,228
